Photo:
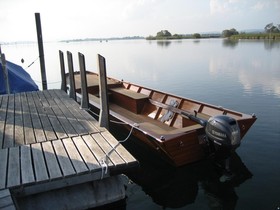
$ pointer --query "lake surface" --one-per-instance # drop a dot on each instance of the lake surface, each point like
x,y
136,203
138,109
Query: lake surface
x,y
242,75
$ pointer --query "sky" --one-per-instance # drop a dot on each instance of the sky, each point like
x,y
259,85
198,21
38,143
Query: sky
x,y
75,19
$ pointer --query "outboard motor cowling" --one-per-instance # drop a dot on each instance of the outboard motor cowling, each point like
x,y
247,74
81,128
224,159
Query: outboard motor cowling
x,y
223,131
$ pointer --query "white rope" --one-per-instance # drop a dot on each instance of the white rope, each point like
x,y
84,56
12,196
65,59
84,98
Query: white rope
x,y
104,167
104,160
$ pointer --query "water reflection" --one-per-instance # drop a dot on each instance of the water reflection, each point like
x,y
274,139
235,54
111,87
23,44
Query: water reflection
x,y
164,43
230,43
252,70
269,44
178,187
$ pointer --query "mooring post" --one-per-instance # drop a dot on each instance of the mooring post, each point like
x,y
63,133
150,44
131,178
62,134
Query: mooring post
x,y
84,100
5,72
104,106
72,90
41,51
62,70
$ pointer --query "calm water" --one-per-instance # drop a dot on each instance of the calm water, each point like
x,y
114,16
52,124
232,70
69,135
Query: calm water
x,y
243,75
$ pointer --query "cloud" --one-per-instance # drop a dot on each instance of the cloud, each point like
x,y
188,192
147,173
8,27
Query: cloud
x,y
259,6
223,6
140,9
264,4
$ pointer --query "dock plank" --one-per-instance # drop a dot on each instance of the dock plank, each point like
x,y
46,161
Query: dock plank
x,y
63,159
40,169
86,154
52,163
67,126
13,167
37,126
46,106
19,132
3,113
57,110
86,119
74,155
76,112
110,153
69,112
58,129
47,127
9,127
42,108
3,167
27,173
95,149
126,156
29,136
109,149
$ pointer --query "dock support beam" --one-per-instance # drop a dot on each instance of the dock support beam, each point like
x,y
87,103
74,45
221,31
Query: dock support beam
x,y
41,51
103,92
84,100
62,69
72,90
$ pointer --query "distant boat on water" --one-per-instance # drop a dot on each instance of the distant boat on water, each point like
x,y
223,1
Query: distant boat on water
x,y
19,79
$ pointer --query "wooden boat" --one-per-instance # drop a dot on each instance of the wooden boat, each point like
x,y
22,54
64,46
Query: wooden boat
x,y
181,130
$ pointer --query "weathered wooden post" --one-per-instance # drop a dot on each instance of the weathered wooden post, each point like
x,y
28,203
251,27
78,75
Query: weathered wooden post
x,y
84,100
62,69
72,90
104,107
5,72
41,51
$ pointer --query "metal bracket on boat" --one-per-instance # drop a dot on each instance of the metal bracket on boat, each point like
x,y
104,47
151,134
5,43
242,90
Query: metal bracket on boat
x,y
169,112
181,112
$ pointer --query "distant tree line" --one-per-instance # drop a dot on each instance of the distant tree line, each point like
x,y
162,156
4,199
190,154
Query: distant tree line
x,y
165,35
270,32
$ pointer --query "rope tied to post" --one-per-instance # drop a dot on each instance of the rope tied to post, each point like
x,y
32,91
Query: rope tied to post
x,y
104,160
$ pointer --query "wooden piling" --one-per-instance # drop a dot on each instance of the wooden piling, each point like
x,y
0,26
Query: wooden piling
x,y
62,69
72,90
84,100
41,51
103,92
5,72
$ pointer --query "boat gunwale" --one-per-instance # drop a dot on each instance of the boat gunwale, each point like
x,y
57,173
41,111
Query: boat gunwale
x,y
241,115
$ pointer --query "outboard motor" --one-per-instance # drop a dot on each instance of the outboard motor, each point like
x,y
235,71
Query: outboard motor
x,y
224,134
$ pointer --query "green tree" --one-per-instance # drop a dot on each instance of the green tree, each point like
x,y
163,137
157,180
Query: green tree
x,y
270,28
163,34
228,33
196,36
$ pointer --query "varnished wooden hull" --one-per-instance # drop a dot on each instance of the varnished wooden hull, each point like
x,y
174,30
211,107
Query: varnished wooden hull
x,y
177,139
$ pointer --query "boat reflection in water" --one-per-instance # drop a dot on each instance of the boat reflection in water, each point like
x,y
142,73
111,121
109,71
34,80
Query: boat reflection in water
x,y
171,187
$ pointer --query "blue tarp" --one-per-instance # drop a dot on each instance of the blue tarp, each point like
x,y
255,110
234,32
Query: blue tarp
x,y
19,79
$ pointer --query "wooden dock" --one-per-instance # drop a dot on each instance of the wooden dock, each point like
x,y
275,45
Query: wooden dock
x,y
48,144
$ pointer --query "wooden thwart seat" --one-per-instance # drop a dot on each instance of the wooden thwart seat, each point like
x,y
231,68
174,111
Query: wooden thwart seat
x,y
129,99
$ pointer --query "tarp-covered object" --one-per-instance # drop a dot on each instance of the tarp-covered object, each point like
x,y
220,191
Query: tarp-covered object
x,y
19,79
